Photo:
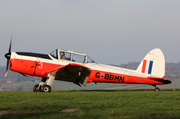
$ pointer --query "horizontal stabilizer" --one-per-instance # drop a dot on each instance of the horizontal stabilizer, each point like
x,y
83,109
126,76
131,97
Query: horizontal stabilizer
x,y
157,78
163,80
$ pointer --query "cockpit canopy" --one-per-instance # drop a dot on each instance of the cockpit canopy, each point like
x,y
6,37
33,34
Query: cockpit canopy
x,y
71,56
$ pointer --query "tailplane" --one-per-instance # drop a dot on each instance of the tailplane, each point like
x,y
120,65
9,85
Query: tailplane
x,y
153,64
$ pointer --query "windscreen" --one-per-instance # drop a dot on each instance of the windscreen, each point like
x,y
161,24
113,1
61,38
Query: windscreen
x,y
89,60
54,54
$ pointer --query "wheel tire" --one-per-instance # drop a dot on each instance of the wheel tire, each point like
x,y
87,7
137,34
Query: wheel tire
x,y
157,89
46,88
35,88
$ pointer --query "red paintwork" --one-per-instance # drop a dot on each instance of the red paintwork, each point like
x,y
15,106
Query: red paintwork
x,y
144,66
42,69
32,68
22,66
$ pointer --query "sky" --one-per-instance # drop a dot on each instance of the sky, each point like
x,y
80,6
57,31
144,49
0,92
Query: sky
x,y
109,31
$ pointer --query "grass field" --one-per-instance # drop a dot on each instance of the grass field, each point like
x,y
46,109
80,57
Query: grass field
x,y
100,104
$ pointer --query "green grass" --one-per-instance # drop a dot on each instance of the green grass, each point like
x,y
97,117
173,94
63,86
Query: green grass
x,y
100,104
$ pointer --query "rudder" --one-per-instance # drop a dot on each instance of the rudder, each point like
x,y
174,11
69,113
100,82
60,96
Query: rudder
x,y
153,64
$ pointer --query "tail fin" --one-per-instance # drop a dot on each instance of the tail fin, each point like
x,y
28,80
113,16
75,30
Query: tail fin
x,y
153,64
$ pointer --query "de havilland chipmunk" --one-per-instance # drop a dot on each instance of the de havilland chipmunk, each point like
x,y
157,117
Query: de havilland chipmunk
x,y
80,69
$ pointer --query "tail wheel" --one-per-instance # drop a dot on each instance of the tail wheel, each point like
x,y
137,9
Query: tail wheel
x,y
157,89
46,88
36,88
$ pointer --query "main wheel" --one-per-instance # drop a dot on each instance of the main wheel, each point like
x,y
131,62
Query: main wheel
x,y
46,88
36,89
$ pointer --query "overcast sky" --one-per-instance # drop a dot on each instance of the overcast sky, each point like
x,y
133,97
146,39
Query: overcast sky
x,y
109,31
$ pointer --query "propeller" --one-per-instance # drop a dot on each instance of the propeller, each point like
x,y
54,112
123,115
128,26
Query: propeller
x,y
8,56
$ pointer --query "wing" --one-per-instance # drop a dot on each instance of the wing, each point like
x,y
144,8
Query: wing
x,y
72,73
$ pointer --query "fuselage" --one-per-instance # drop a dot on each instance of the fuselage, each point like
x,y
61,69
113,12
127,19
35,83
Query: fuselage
x,y
41,65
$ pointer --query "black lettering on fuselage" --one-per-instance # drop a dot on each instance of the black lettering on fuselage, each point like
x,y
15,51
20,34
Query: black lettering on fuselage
x,y
110,77
122,79
116,78
97,75
106,76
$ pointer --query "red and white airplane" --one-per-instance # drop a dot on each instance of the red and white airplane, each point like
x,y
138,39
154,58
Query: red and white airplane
x,y
80,69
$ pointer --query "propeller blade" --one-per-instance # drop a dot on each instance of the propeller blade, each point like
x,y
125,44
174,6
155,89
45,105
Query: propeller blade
x,y
8,57
10,46
7,66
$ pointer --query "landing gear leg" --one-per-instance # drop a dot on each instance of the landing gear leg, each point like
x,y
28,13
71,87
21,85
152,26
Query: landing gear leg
x,y
47,87
156,88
